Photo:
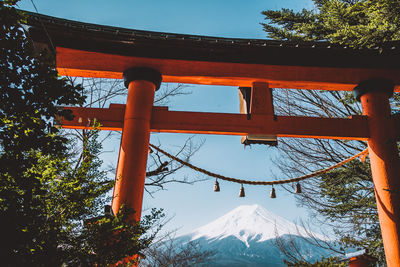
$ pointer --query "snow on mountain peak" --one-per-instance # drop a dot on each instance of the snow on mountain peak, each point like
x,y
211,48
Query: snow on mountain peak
x,y
249,222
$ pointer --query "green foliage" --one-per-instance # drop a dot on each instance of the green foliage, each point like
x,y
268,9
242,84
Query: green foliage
x,y
324,262
48,187
108,239
362,23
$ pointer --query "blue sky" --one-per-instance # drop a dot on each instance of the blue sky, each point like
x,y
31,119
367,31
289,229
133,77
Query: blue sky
x,y
195,205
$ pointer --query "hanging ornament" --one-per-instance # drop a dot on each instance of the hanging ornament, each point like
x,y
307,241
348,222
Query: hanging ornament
x,y
216,186
241,192
298,188
273,195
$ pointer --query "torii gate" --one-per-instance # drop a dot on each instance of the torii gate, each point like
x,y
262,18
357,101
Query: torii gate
x,y
145,58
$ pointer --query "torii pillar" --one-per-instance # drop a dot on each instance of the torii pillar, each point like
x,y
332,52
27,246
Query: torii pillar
x,y
131,169
385,163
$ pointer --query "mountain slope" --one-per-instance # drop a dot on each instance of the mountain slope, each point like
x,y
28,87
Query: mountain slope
x,y
246,236
247,223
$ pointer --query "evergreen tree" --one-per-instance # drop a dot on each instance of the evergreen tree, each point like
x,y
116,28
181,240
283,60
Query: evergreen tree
x,y
355,23
343,198
51,197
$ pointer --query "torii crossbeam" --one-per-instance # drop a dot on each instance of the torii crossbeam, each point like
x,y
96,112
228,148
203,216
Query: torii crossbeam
x,y
145,58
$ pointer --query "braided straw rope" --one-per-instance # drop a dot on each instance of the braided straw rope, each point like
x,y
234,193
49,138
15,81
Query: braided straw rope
x,y
240,181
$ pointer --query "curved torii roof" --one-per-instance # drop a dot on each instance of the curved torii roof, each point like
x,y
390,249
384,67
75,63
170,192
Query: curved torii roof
x,y
92,50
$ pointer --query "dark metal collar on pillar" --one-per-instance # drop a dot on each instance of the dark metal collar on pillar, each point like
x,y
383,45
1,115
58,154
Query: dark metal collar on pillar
x,y
142,73
374,85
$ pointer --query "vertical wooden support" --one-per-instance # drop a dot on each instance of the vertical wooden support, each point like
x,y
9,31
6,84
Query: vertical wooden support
x,y
261,99
131,169
385,162
257,100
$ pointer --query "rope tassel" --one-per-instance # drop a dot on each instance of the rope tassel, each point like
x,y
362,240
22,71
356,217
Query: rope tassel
x,y
298,188
241,192
216,186
273,194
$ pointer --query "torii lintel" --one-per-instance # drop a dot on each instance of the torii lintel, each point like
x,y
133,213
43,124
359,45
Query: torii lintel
x,y
90,50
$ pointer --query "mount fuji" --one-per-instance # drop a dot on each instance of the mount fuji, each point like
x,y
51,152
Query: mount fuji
x,y
246,236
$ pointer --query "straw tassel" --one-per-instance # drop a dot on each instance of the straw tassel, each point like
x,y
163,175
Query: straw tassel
x,y
216,186
273,194
298,188
241,192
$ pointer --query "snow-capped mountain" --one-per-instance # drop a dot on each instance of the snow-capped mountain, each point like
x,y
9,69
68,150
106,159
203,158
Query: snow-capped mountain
x,y
246,236
247,223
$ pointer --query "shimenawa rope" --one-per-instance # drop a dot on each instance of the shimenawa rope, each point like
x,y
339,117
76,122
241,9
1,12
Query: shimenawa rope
x,y
241,181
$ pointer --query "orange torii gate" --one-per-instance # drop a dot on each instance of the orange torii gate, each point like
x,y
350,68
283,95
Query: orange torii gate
x,y
145,58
